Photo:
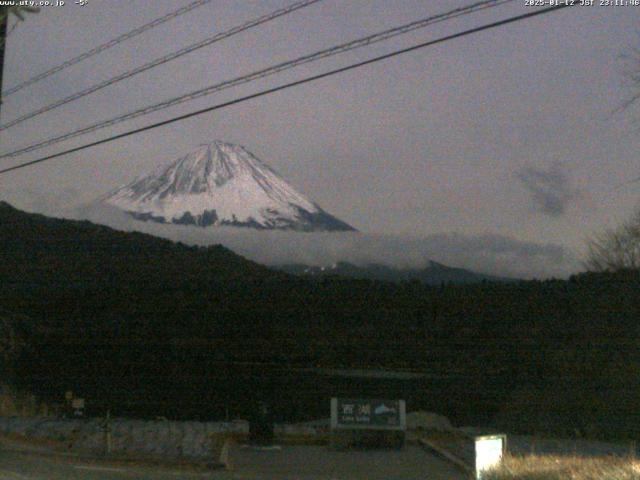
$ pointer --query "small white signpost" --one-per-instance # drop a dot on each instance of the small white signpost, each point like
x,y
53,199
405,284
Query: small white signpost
x,y
489,451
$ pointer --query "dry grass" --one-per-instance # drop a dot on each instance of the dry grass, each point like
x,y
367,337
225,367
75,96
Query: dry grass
x,y
549,467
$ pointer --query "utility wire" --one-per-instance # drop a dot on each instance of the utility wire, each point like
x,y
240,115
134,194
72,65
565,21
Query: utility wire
x,y
162,60
105,46
292,84
361,42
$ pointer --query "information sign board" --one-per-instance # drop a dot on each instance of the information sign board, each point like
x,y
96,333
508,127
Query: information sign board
x,y
368,414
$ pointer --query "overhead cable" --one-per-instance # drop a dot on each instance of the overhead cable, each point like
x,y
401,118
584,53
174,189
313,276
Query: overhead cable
x,y
105,46
290,85
162,60
328,52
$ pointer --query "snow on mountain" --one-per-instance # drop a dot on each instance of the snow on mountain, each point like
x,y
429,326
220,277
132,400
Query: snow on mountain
x,y
221,184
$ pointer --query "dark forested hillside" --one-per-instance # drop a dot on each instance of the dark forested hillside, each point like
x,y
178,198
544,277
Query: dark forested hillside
x,y
148,327
433,274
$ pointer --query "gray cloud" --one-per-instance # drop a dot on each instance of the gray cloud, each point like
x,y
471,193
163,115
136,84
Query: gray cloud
x,y
489,253
550,188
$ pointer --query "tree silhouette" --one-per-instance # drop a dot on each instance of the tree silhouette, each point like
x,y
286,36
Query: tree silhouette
x,y
17,11
616,248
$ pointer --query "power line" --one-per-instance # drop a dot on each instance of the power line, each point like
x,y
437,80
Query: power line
x,y
354,44
293,84
105,46
162,60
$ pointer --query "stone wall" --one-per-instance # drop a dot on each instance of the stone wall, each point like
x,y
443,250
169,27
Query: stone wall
x,y
160,438
170,439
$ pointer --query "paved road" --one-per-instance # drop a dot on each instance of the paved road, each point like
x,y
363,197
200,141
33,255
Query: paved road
x,y
25,466
286,463
322,463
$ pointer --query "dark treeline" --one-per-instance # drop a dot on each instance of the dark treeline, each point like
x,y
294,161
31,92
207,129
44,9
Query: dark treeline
x,y
148,327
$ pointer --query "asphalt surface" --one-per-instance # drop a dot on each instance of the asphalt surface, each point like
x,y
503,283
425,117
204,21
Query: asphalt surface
x,y
281,463
26,466
322,463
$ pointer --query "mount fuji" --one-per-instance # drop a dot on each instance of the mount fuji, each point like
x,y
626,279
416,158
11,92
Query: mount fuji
x,y
221,184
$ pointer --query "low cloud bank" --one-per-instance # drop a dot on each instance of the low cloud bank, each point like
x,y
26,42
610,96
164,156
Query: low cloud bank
x,y
490,253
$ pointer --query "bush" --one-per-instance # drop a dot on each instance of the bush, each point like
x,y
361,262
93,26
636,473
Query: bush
x,y
549,467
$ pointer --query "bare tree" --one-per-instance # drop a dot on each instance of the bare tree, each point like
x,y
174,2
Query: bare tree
x,y
17,11
616,248
630,61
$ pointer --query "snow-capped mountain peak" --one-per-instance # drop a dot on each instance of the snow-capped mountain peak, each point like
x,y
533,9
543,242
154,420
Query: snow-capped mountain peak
x,y
221,184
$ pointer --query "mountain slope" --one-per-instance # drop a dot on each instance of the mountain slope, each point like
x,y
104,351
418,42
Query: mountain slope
x,y
147,327
222,184
48,254
434,274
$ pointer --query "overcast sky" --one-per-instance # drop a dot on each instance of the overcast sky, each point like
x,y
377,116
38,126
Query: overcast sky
x,y
502,139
